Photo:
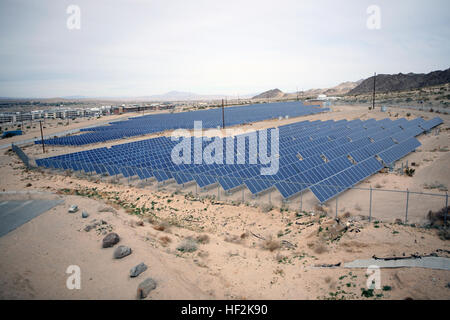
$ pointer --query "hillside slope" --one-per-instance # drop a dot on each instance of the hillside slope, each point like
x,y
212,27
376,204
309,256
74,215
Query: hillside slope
x,y
402,82
271,94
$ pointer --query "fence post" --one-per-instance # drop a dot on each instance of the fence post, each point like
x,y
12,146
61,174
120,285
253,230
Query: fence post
x,y
446,208
407,202
370,205
218,192
270,197
337,206
243,195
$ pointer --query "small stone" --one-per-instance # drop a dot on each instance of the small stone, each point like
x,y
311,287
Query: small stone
x,y
84,214
110,240
137,270
73,208
145,287
122,251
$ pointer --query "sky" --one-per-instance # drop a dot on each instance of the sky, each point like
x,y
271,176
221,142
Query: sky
x,y
135,48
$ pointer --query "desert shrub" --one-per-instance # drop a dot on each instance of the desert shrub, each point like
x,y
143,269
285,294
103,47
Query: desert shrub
x,y
233,238
320,248
107,209
435,185
271,244
437,218
410,172
203,239
161,226
165,240
444,234
266,208
187,245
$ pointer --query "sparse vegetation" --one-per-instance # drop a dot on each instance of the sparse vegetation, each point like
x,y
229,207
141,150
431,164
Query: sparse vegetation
x,y
410,172
165,240
203,239
435,185
437,218
271,244
187,245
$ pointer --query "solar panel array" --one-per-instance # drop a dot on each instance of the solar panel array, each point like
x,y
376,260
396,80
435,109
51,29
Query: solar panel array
x,y
211,118
326,157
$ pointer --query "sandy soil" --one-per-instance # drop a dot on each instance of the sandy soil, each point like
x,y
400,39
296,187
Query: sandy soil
x,y
278,248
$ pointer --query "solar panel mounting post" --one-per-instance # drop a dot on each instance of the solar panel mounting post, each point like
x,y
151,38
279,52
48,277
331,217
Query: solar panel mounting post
x,y
223,116
407,202
42,137
337,206
373,98
446,208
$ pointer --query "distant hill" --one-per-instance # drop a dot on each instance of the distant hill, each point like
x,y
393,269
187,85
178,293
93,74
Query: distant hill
x,y
340,89
271,94
402,82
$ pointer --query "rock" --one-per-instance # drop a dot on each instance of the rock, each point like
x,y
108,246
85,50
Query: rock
x,y
137,270
94,223
110,240
73,208
84,214
122,251
145,287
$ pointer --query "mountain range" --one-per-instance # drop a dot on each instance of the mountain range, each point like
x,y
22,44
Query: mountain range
x,y
402,82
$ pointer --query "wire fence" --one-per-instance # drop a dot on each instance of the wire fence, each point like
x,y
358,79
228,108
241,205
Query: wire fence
x,y
25,159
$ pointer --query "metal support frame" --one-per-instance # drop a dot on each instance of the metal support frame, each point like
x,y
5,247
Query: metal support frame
x,y
370,205
446,208
407,203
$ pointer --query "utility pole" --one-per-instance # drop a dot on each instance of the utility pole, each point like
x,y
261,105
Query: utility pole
x,y
297,92
373,99
42,137
223,116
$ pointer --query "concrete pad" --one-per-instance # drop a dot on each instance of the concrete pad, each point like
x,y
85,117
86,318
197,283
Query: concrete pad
x,y
440,263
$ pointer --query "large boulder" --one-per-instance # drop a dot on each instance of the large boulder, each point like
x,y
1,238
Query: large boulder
x,y
137,270
145,287
110,240
122,251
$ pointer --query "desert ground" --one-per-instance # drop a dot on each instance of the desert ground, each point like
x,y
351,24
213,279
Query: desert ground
x,y
204,245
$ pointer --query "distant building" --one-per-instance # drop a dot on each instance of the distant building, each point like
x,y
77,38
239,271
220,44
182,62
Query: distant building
x,y
7,117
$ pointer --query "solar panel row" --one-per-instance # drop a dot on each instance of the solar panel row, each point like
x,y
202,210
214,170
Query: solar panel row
x,y
312,155
211,118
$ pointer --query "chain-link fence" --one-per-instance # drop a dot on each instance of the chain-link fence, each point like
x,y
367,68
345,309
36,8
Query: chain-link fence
x,y
21,155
